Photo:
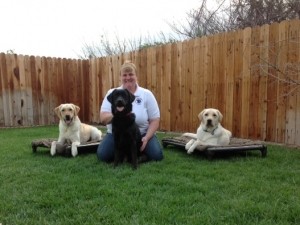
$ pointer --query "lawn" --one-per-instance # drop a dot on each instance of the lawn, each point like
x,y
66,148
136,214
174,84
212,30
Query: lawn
x,y
243,189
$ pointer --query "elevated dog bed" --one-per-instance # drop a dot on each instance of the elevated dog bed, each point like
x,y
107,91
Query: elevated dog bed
x,y
236,145
64,150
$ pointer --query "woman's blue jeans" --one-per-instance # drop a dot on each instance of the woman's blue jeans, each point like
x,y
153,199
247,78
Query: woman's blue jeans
x,y
105,151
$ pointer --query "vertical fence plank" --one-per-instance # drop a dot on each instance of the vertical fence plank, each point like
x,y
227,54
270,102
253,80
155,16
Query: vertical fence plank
x,y
87,94
116,64
154,68
187,68
35,89
282,87
291,74
161,79
23,103
184,89
60,79
94,77
176,90
205,65
263,87
53,77
149,68
221,76
156,78
196,89
230,114
14,89
142,68
2,90
254,83
72,81
28,98
237,48
209,73
245,45
217,74
46,61
297,77
5,94
80,84
165,88
174,87
43,100
272,85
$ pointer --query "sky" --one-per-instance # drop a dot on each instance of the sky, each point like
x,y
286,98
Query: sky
x,y
60,28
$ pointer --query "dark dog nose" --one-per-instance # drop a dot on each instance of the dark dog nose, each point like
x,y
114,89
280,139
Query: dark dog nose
x,y
68,117
209,122
120,101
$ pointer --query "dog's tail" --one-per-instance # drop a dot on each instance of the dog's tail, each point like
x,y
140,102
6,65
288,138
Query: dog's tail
x,y
191,135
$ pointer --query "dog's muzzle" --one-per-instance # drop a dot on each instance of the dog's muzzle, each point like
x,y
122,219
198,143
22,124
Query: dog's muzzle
x,y
68,119
120,104
209,123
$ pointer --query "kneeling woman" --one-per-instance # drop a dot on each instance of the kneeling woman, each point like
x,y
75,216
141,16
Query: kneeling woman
x,y
147,114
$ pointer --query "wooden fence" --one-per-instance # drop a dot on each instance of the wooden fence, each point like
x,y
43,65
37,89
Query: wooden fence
x,y
251,75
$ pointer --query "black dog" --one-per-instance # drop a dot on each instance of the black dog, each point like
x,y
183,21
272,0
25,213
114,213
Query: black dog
x,y
127,136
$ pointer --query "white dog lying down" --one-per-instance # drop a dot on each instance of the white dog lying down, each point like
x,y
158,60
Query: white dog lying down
x,y
210,132
72,130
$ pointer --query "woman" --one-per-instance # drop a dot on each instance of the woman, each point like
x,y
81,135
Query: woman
x,y
147,114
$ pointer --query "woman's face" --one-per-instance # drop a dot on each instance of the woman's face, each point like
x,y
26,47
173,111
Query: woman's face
x,y
129,79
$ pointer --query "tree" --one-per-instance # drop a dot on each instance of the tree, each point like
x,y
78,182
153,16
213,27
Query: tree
x,y
250,13
230,15
202,21
118,46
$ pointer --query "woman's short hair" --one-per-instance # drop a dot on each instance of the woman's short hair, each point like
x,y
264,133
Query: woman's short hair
x,y
128,66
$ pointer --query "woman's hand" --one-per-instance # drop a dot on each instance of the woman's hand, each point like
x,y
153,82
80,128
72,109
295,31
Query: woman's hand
x,y
153,126
105,117
144,143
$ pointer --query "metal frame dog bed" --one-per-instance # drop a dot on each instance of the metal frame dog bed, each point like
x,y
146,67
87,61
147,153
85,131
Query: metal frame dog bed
x,y
236,145
64,150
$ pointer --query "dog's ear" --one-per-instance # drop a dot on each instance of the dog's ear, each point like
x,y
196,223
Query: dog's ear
x,y
57,111
76,109
220,116
131,96
200,115
110,96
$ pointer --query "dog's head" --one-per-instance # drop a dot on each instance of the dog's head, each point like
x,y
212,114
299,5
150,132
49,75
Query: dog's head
x,y
210,118
67,112
121,101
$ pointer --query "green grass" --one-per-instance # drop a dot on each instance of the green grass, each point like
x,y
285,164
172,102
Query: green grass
x,y
182,189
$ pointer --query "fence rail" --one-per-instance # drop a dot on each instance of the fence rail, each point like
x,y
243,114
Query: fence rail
x,y
251,75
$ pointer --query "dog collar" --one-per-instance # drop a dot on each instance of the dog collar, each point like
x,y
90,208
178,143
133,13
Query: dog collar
x,y
212,132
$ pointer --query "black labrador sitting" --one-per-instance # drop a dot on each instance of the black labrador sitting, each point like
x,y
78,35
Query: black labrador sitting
x,y
127,136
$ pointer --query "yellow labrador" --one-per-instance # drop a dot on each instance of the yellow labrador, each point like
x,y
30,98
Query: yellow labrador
x,y
72,130
210,132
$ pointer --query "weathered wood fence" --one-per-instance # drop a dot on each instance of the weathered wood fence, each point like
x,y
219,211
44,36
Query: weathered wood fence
x,y
251,75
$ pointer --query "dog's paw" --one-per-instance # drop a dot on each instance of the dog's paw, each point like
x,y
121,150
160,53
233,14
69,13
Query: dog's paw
x,y
187,147
74,152
189,144
53,149
190,151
